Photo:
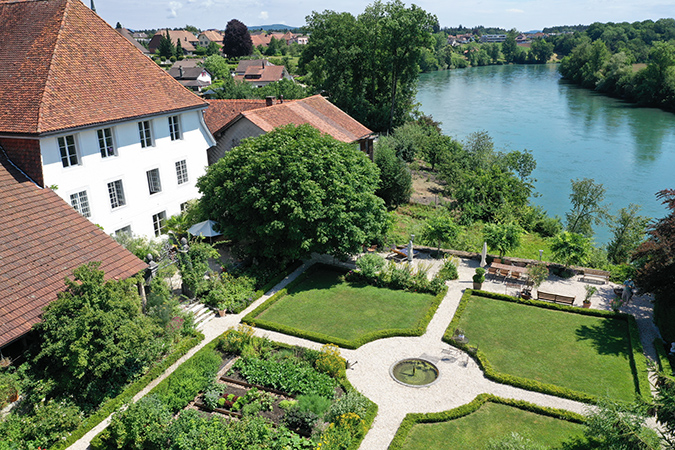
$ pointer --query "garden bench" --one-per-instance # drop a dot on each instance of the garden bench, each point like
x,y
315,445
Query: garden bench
x,y
598,275
546,296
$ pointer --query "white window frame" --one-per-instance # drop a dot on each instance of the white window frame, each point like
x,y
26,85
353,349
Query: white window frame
x,y
182,172
68,150
174,128
106,142
145,134
80,201
116,194
154,181
158,223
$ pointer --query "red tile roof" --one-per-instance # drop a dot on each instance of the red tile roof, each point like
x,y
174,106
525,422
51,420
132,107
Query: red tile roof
x,y
267,74
213,36
186,38
43,240
316,111
64,67
221,112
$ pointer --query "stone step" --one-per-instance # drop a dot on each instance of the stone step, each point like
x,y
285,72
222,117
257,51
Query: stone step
x,y
202,314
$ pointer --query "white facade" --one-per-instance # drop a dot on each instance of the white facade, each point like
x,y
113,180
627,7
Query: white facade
x,y
155,180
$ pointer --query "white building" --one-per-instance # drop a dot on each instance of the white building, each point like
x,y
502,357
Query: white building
x,y
116,136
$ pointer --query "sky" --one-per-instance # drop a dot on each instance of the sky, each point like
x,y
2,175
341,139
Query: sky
x,y
524,15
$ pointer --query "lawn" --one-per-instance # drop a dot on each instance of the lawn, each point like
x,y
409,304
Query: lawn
x,y
583,353
323,304
491,421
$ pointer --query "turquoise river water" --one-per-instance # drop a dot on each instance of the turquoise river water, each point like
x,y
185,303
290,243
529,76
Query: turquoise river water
x,y
572,132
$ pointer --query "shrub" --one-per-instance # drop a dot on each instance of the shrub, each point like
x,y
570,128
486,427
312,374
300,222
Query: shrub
x,y
449,270
621,272
479,276
142,425
369,264
234,341
352,402
314,403
330,361
303,421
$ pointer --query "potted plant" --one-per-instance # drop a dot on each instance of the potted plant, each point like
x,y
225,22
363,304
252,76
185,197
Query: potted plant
x,y
478,278
590,290
222,309
537,274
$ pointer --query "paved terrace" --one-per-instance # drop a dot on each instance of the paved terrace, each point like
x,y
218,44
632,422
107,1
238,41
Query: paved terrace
x,y
460,379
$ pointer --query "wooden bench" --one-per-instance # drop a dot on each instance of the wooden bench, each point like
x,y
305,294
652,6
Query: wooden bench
x,y
597,275
548,297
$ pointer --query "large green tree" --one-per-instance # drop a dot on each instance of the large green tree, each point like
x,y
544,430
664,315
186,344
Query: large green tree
x,y
571,248
628,231
587,199
502,237
294,191
369,65
395,178
94,337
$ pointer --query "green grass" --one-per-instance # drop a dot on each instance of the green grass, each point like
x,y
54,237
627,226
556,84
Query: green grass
x,y
322,304
411,218
491,421
583,353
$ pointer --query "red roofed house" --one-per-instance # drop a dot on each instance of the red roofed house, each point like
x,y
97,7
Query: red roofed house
x,y
84,110
260,72
43,240
208,36
188,41
230,121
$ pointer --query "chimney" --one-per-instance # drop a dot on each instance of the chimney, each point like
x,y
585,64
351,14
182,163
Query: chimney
x,y
180,69
93,7
281,99
269,100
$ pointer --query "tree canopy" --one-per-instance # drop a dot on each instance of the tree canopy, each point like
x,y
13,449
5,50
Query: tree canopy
x,y
369,64
94,337
294,191
237,40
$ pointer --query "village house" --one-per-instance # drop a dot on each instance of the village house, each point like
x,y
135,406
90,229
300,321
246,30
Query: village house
x,y
188,41
208,36
123,147
260,72
230,121
191,75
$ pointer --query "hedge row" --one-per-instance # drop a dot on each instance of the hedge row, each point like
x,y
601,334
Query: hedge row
x,y
413,419
128,394
419,330
662,358
638,361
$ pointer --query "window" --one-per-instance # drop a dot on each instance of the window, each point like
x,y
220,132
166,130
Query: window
x,y
125,230
116,193
145,134
68,151
183,207
158,223
181,171
105,142
154,184
80,203
174,128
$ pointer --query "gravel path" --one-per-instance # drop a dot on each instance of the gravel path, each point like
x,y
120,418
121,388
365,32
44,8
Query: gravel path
x,y
460,381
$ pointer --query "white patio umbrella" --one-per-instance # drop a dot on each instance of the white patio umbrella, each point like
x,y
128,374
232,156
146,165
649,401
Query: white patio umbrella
x,y
483,255
204,229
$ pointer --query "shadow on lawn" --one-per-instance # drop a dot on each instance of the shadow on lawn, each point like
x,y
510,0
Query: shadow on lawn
x,y
608,337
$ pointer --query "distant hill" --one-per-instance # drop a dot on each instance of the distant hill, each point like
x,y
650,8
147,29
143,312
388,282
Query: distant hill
x,y
276,26
532,32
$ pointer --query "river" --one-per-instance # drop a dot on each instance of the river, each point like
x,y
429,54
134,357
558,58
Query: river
x,y
572,132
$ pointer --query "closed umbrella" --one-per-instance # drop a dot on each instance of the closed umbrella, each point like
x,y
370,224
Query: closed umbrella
x,y
483,256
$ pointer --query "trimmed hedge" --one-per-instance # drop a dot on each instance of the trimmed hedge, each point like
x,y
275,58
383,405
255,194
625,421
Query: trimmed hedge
x,y
638,361
413,419
419,330
128,394
662,358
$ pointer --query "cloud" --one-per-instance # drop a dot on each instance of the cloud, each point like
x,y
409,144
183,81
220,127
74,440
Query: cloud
x,y
514,10
264,15
173,9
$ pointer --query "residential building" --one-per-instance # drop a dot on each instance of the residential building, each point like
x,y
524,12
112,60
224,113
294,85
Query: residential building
x,y
230,121
44,239
135,42
492,38
208,36
260,72
188,41
194,78
130,144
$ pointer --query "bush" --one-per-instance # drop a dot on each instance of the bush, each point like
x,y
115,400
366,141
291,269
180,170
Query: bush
x,y
369,264
41,425
314,403
302,421
621,272
449,270
330,361
352,402
142,425
479,276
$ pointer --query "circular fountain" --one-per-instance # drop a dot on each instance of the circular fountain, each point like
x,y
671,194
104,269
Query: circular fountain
x,y
414,372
